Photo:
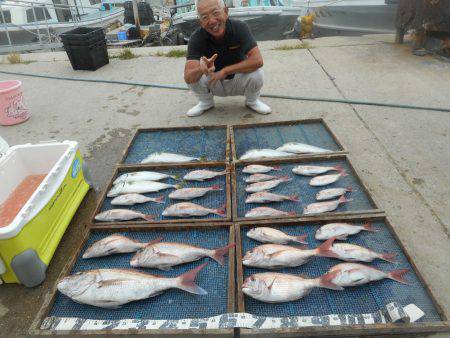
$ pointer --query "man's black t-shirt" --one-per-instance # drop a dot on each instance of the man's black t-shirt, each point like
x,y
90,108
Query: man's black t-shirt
x,y
237,42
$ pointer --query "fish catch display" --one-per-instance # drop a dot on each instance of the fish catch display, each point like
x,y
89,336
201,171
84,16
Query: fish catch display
x,y
140,187
271,235
132,199
268,212
187,209
313,170
341,230
267,197
191,193
259,169
301,148
121,215
255,154
169,158
142,176
203,175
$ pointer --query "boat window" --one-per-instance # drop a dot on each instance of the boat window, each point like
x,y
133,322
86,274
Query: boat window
x,y
7,16
41,14
95,2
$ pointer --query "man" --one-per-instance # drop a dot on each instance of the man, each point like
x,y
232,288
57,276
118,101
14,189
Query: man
x,y
223,59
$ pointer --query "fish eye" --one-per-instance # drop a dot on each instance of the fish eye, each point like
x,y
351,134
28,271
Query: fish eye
x,y
252,278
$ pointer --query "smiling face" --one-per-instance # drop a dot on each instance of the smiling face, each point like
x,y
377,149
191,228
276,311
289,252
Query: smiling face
x,y
213,15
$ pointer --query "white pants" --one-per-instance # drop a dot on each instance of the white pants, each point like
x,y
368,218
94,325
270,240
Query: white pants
x,y
247,84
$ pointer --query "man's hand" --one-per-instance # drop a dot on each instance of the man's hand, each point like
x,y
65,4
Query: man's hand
x,y
216,76
207,65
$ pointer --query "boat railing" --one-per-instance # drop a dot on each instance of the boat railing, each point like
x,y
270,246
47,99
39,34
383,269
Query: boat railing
x,y
184,6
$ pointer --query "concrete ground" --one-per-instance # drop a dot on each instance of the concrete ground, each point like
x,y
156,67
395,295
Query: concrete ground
x,y
402,154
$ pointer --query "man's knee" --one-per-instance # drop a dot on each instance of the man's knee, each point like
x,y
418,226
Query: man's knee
x,y
255,80
201,86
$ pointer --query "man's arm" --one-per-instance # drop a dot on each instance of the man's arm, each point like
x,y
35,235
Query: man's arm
x,y
192,71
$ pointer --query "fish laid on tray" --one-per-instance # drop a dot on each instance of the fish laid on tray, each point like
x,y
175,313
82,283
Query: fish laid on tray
x,y
322,180
132,199
272,287
165,255
187,209
255,154
169,158
341,230
191,193
328,194
321,207
203,175
121,215
140,187
266,185
259,169
111,288
301,148
271,235
267,197
142,176
260,178
313,170
268,212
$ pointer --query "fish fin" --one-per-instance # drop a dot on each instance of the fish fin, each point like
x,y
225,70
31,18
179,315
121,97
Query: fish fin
x,y
164,267
343,199
271,284
215,187
342,237
220,253
148,217
294,198
159,199
343,173
324,250
339,168
221,211
300,239
156,294
388,257
277,167
368,227
398,275
285,178
187,281
110,282
292,213
326,281
156,240
275,254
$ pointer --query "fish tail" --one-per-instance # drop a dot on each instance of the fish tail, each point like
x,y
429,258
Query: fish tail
x,y
220,253
277,167
300,239
398,275
326,281
294,198
343,173
292,213
369,227
339,167
285,178
215,187
156,240
324,250
344,199
349,189
148,217
388,257
159,199
187,281
221,211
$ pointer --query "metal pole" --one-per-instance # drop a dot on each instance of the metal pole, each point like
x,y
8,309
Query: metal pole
x,y
46,25
5,25
136,16
37,24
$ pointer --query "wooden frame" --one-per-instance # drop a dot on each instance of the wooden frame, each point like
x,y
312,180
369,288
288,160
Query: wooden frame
x,y
351,330
133,223
281,123
330,157
143,130
51,295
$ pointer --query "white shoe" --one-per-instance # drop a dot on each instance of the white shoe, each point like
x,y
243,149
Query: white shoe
x,y
200,108
259,107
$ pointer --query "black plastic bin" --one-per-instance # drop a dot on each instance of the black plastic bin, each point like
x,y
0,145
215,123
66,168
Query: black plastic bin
x,y
83,36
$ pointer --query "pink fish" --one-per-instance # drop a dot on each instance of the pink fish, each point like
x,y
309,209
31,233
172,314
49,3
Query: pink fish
x,y
267,212
321,207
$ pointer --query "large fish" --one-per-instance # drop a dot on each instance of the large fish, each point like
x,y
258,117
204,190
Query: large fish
x,y
267,185
169,158
132,199
259,169
266,197
322,180
352,274
341,230
141,187
301,148
166,255
313,170
187,209
114,244
321,207
271,235
202,175
111,288
142,176
328,194
121,215
255,154
268,212
191,193
272,287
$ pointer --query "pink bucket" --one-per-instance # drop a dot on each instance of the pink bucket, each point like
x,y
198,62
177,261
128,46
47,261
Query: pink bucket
x,y
12,110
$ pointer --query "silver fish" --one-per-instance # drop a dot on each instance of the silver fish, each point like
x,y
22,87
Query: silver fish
x,y
321,207
114,244
187,209
267,212
190,193
352,274
202,175
166,255
254,154
121,215
259,169
301,148
132,199
271,235
267,185
272,287
168,158
259,178
313,170
328,194
322,180
341,230
142,176
141,187
111,288
266,197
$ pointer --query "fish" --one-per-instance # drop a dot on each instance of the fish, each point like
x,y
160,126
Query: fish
x,y
328,194
313,170
114,244
272,287
353,253
301,148
259,169
267,212
112,288
203,175
187,209
165,255
267,185
266,197
322,180
321,207
191,193
259,178
121,215
254,154
161,157
141,187
341,230
142,176
132,199
353,274
271,235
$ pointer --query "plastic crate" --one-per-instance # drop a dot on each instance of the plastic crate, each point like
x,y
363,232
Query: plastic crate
x,y
90,57
83,36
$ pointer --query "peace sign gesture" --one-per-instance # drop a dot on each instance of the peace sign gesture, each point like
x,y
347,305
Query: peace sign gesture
x,y
207,65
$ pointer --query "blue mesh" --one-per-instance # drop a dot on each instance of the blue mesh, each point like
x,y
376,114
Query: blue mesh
x,y
173,303
209,142
356,300
212,199
272,137
300,186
